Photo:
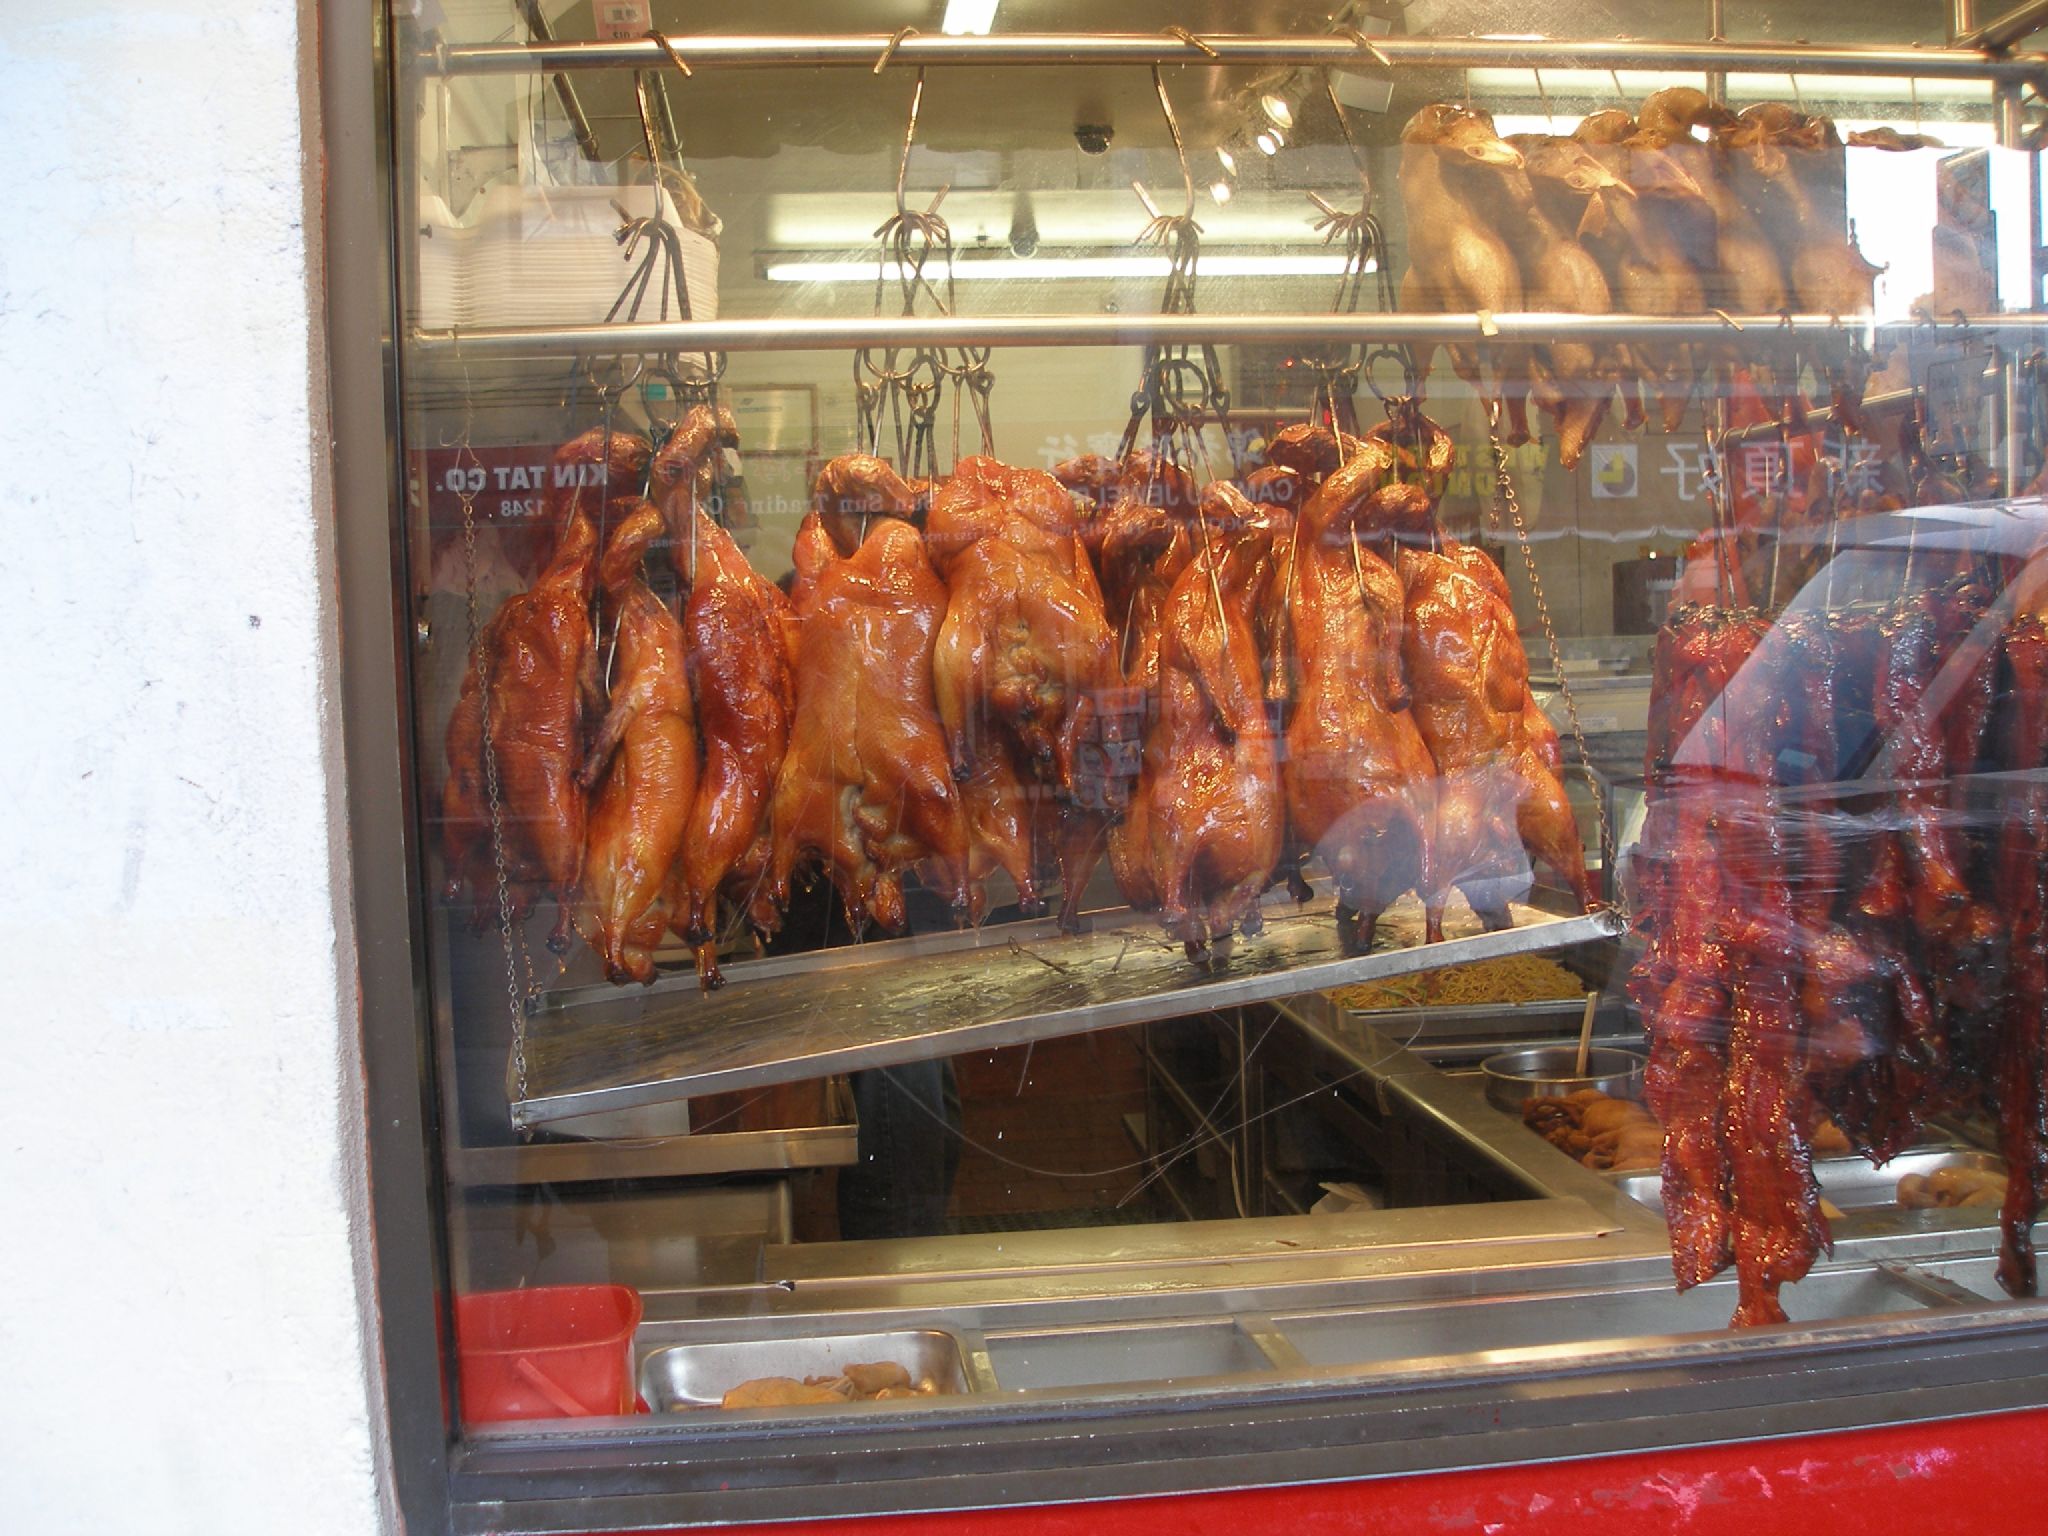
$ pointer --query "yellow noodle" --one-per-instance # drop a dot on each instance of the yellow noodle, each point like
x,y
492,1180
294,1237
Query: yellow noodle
x,y
1507,979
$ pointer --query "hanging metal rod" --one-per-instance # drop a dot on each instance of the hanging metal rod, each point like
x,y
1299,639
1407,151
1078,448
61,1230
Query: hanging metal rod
x,y
804,335
2017,24
1955,63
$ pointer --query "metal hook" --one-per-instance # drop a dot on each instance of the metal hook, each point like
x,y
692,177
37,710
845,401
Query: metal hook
x,y
1360,40
1542,95
890,52
1350,142
1182,34
909,136
1187,177
669,48
647,134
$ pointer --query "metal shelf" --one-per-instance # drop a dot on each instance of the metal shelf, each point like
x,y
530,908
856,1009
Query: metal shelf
x,y
777,334
1221,49
777,1150
884,1004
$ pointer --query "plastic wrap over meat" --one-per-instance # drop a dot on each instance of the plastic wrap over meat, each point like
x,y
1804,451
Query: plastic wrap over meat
x,y
1840,883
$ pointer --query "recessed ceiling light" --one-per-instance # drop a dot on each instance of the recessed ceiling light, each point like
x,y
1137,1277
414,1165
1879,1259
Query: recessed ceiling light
x,y
968,18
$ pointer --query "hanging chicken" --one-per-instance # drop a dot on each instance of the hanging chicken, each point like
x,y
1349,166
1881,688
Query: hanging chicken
x,y
642,766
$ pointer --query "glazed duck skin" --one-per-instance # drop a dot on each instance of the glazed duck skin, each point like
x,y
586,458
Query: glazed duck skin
x,y
541,665
866,785
1360,784
643,763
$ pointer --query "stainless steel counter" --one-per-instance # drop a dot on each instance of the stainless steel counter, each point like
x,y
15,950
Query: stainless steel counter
x,y
1574,1271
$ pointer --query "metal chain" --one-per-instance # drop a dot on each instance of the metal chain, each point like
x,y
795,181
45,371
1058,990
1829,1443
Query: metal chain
x,y
1504,492
513,941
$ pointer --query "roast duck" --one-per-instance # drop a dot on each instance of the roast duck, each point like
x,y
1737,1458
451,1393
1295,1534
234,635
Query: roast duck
x,y
1005,672
1679,208
866,786
531,680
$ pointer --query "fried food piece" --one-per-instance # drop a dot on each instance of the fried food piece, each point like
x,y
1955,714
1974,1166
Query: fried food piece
x,y
1609,1115
778,1392
873,1379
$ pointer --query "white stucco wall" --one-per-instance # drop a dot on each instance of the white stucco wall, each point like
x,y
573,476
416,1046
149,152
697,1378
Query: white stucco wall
x,y
181,1347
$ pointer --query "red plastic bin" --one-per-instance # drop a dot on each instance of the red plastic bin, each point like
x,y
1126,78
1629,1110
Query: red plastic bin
x,y
555,1351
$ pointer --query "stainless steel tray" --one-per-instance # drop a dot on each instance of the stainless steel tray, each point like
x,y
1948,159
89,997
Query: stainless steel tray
x,y
878,1005
699,1375
1850,1183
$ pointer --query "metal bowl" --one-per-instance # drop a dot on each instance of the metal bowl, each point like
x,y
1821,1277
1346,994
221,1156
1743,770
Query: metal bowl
x,y
1549,1072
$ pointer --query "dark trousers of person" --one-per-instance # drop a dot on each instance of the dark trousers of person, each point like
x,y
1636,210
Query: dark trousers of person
x,y
907,1153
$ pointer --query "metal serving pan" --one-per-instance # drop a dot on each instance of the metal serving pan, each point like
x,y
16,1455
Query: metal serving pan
x,y
1850,1183
690,1376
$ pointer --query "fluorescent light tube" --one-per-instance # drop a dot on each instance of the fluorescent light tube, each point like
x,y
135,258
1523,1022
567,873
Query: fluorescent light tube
x,y
968,18
1054,268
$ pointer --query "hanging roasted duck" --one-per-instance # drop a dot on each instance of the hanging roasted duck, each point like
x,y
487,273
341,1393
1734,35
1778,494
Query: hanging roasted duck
x,y
1025,659
1455,172
1360,784
866,786
1787,166
1638,243
1499,790
1575,380
642,768
740,632
535,663
586,473
1205,819
1144,547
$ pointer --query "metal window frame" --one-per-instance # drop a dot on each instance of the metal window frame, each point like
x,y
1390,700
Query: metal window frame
x,y
1185,1440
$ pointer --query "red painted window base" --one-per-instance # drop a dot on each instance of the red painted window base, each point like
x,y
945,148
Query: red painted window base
x,y
1979,1475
